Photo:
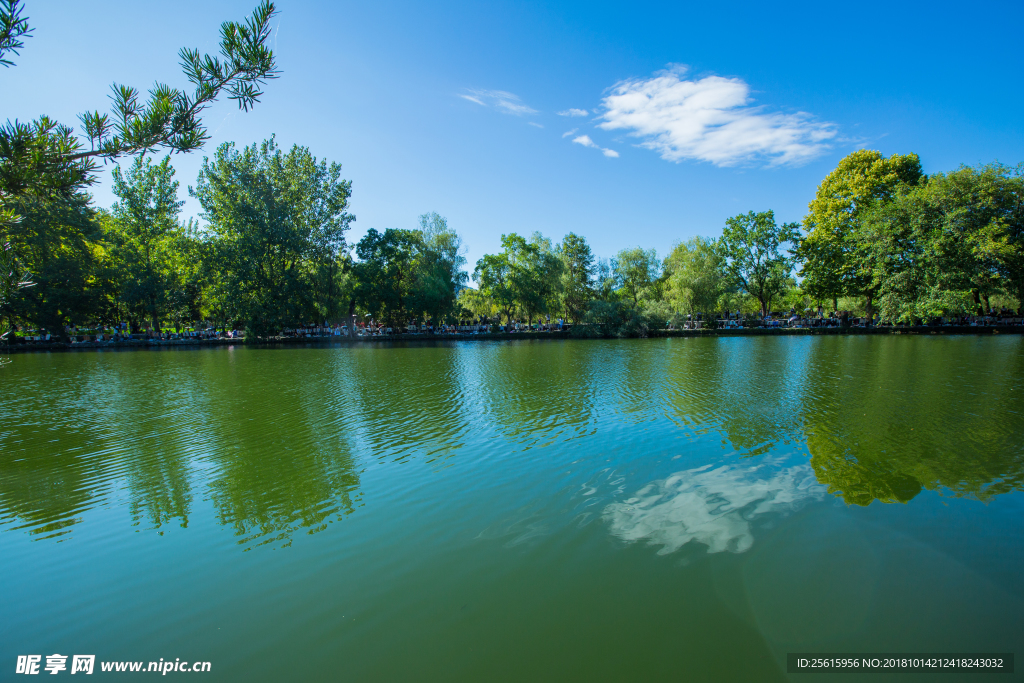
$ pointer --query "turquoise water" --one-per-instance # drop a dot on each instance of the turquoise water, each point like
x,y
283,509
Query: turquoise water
x,y
596,510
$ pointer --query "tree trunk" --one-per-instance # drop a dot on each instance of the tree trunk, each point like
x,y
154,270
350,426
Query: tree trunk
x,y
869,307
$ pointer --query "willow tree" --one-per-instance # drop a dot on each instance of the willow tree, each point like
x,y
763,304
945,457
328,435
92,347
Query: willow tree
x,y
635,272
696,275
495,273
439,272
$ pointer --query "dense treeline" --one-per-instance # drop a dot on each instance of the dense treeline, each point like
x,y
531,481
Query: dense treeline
x,y
880,239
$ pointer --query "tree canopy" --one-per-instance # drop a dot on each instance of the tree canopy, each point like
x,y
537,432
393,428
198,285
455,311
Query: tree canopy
x,y
752,246
831,259
278,222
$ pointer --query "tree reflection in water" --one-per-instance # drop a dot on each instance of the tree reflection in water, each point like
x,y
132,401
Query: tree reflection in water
x,y
274,439
887,417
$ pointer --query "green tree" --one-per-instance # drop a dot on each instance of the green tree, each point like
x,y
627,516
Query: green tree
x,y
439,269
751,244
978,229
541,281
636,271
147,218
187,297
45,166
524,276
830,259
577,275
55,240
942,247
696,276
13,278
494,273
13,27
476,303
273,217
386,273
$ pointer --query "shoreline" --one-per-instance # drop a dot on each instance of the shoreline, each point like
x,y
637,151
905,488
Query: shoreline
x,y
35,347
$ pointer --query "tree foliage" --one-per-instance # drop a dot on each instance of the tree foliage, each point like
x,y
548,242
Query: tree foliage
x,y
45,158
13,27
697,276
635,271
277,219
54,240
752,246
142,235
578,270
831,259
941,247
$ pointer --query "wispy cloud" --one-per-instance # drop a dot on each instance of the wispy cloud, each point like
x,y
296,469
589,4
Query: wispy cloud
x,y
534,124
574,112
499,99
587,142
569,132
711,119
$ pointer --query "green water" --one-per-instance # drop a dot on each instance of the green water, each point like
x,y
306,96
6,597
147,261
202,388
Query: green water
x,y
678,509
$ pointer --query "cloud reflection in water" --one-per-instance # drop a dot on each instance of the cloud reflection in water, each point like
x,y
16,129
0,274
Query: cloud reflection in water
x,y
711,506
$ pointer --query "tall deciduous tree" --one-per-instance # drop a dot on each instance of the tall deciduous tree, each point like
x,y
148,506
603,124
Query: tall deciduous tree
x,y
830,260
439,272
577,275
147,218
55,240
752,245
386,273
495,273
944,246
274,217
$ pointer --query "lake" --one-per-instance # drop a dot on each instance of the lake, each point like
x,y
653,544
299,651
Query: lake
x,y
672,509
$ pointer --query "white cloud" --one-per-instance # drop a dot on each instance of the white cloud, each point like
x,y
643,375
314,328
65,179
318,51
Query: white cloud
x,y
500,100
534,124
587,142
574,112
710,119
569,132
714,507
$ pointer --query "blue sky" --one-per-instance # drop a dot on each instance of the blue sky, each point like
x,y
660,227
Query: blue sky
x,y
693,112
